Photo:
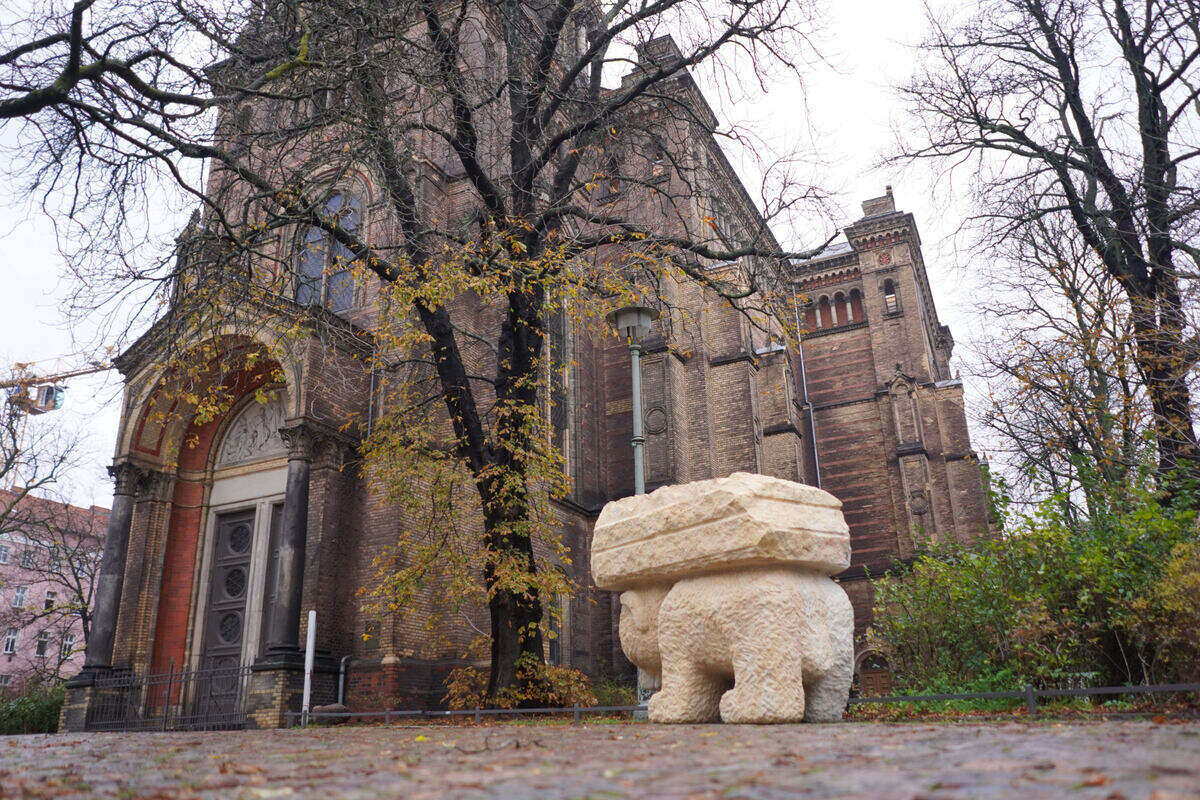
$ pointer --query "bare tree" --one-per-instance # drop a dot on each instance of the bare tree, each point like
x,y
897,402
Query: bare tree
x,y
528,157
34,458
58,545
1086,108
1060,359
65,544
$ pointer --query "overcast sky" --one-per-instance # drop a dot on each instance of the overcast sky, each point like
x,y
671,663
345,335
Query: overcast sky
x,y
848,106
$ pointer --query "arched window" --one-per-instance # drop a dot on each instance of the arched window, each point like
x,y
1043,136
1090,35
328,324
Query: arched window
x,y
810,316
840,308
825,313
324,277
891,301
856,306
658,160
611,178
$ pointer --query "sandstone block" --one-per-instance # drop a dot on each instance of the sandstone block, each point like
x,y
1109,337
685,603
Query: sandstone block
x,y
744,520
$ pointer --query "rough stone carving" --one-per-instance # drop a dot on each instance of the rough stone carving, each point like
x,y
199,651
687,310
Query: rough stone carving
x,y
727,598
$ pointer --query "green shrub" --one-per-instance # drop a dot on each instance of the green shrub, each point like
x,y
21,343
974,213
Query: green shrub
x,y
34,711
1110,599
615,693
541,686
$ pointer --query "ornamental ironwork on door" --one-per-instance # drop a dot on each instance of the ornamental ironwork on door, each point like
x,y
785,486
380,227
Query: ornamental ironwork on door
x,y
225,625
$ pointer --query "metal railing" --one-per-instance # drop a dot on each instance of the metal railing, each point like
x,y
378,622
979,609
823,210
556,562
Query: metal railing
x,y
185,699
1029,694
477,714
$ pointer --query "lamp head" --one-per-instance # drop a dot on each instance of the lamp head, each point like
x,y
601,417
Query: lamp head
x,y
632,323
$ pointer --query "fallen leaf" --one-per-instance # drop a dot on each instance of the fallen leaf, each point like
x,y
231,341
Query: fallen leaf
x,y
228,767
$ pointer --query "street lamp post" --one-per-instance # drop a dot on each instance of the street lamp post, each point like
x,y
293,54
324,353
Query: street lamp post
x,y
632,323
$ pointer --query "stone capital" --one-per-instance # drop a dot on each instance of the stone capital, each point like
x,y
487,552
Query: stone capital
x,y
130,478
309,440
158,486
301,441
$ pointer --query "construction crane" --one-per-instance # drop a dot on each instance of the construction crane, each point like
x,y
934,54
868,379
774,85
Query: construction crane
x,y
48,391
47,395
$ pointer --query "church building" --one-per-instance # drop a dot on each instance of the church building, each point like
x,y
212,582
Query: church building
x,y
228,529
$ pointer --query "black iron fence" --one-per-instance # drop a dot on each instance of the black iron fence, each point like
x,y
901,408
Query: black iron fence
x,y
213,698
1029,694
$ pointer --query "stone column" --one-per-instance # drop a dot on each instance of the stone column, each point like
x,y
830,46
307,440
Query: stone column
x,y
109,582
283,622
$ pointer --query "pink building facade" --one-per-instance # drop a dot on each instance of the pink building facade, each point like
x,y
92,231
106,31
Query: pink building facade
x,y
49,553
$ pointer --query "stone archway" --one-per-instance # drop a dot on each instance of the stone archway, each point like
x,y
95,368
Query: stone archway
x,y
195,448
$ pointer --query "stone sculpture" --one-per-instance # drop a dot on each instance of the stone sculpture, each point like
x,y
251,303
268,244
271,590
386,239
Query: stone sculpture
x,y
727,598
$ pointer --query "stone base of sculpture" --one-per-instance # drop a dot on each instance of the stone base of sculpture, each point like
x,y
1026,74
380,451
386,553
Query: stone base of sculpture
x,y
728,598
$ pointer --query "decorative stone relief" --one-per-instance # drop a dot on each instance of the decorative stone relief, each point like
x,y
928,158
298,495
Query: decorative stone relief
x,y
656,421
254,435
728,598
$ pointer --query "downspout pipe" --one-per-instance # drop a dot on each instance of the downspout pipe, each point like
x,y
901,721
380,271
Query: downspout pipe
x,y
342,680
812,419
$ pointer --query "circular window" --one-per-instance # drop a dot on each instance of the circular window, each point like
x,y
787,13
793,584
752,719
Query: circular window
x,y
235,582
239,539
230,627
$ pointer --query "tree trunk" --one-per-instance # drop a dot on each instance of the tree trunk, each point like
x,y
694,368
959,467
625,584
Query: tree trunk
x,y
516,614
516,630
1162,362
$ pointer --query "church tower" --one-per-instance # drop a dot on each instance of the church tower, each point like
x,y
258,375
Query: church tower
x,y
888,416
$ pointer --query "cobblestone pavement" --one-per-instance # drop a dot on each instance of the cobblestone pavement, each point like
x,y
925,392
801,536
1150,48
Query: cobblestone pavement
x,y
1114,760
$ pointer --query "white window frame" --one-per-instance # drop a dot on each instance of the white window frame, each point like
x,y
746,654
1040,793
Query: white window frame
x,y
5,551
20,595
10,641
